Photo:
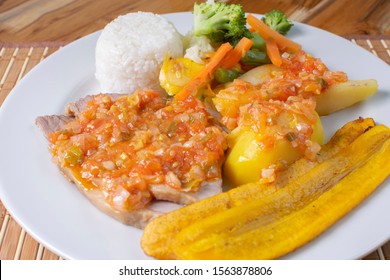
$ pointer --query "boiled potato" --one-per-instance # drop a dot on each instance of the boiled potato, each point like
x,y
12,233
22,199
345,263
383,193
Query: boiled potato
x,y
343,95
338,97
247,157
260,74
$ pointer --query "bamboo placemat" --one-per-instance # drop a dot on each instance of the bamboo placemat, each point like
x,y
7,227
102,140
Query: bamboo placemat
x,y
16,59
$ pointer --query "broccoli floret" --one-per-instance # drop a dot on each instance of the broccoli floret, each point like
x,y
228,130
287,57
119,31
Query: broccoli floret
x,y
278,21
220,22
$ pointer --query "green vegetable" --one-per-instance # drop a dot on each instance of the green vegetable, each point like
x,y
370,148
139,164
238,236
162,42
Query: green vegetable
x,y
255,57
74,155
278,21
220,22
172,129
258,42
222,75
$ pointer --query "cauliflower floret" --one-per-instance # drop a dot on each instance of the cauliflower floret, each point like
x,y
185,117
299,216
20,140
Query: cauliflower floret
x,y
196,47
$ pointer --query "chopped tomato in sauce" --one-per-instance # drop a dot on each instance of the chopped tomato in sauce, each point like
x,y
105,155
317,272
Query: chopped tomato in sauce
x,y
127,145
300,75
281,106
293,119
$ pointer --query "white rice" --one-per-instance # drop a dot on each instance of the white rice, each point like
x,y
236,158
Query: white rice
x,y
131,50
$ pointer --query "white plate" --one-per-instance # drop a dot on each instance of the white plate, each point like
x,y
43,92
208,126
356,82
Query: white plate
x,y
54,212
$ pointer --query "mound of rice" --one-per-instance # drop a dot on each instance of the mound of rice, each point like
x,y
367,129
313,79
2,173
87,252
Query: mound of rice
x,y
131,50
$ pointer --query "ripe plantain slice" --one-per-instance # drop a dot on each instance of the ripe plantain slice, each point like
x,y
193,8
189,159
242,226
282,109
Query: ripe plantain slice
x,y
157,237
341,139
282,234
268,211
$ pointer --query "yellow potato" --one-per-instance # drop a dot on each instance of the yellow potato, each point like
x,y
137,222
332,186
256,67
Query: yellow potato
x,y
338,97
343,95
260,74
247,157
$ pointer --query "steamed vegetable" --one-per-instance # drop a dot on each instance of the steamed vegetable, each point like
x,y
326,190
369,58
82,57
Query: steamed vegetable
x,y
225,57
258,42
258,155
284,44
260,74
235,55
337,97
205,75
229,68
278,21
273,52
220,22
344,95
175,73
197,48
223,75
255,57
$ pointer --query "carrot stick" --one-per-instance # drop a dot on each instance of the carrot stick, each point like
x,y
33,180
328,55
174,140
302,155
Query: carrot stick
x,y
284,44
273,52
239,51
204,75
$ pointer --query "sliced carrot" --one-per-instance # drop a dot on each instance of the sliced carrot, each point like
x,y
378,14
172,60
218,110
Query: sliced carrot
x,y
205,74
284,43
273,52
235,55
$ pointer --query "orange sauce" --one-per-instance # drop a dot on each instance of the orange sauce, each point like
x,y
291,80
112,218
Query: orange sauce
x,y
124,146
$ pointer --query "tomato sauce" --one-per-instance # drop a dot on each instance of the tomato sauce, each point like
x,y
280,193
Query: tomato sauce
x,y
282,106
300,75
125,146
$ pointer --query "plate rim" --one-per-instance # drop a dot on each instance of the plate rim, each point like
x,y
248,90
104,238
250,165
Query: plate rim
x,y
31,74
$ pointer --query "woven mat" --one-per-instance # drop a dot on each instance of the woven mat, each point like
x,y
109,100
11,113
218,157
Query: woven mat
x,y
16,59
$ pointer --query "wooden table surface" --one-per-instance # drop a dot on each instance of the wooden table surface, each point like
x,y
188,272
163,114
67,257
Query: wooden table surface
x,y
67,20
